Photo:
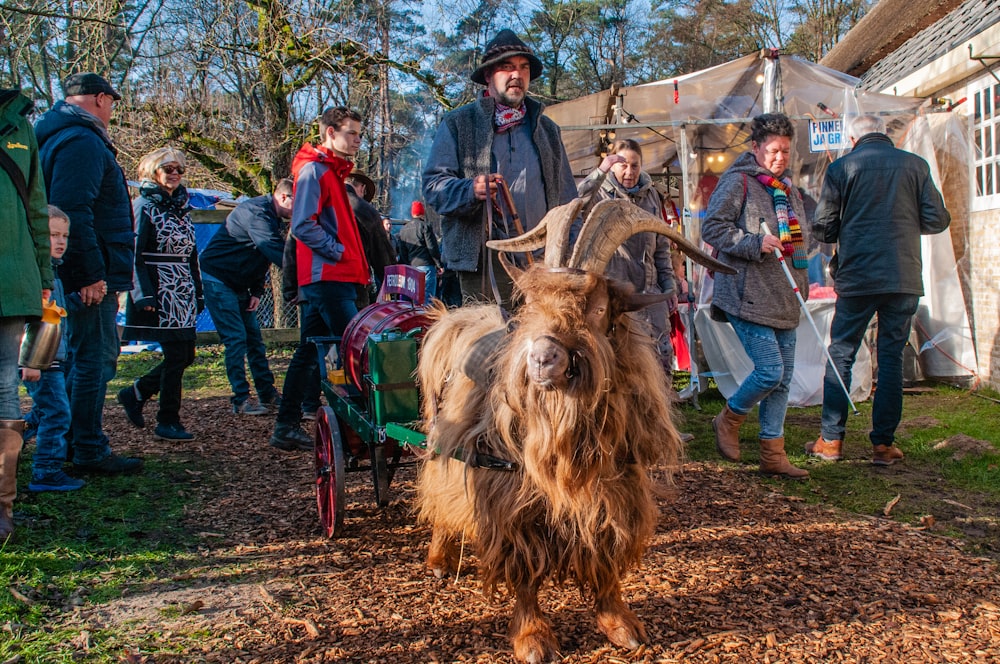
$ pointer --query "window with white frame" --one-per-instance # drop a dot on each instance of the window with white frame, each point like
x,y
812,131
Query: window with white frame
x,y
985,96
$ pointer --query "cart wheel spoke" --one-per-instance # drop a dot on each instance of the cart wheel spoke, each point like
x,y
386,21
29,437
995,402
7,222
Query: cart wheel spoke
x,y
329,457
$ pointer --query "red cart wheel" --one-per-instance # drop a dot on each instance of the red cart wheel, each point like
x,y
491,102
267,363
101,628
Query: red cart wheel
x,y
329,456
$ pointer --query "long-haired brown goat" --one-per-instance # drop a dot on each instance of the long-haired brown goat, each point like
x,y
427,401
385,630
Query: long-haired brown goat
x,y
573,401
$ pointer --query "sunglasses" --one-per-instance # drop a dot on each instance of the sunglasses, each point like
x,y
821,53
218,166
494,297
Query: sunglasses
x,y
170,170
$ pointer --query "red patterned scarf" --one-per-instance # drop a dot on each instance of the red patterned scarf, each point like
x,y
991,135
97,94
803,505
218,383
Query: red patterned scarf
x,y
506,118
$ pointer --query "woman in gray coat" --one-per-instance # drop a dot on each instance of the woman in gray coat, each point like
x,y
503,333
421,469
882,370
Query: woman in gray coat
x,y
644,259
757,300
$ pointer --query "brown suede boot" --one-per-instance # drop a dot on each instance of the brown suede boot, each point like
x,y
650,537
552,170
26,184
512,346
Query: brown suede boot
x,y
10,448
727,433
774,462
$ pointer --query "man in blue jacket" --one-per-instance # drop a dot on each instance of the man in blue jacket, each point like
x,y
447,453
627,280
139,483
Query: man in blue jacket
x,y
83,178
876,202
234,269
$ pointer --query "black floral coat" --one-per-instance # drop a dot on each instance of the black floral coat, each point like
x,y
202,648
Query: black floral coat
x,y
166,268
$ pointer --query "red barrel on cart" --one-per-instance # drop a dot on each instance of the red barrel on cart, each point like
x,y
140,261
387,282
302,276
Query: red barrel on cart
x,y
376,319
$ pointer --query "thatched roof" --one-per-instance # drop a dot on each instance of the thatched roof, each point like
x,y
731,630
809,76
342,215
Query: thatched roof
x,y
886,27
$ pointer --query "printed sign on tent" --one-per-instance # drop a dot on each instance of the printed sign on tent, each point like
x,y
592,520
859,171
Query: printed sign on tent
x,y
827,135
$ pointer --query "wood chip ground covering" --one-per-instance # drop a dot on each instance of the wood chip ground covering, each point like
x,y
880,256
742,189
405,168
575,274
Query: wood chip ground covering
x,y
735,573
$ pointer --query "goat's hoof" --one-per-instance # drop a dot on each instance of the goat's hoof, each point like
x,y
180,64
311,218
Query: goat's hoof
x,y
623,629
536,647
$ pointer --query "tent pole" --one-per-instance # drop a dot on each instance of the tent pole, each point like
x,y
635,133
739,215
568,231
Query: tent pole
x,y
693,389
772,94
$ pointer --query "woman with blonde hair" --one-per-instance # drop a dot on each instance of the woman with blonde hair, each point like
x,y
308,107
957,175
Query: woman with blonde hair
x,y
167,297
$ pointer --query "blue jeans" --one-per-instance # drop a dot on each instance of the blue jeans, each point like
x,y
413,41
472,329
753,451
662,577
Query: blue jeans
x,y
773,355
92,337
329,307
430,281
11,331
240,334
850,322
50,414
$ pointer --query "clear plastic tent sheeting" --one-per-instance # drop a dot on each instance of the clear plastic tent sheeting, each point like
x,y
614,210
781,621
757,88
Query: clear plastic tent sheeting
x,y
692,128
730,364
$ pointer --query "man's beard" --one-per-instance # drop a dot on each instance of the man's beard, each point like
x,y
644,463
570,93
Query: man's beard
x,y
505,98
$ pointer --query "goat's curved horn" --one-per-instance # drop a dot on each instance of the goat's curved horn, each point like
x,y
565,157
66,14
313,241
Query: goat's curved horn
x,y
614,221
552,232
529,241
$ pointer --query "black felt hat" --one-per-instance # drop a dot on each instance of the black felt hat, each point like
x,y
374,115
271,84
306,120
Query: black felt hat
x,y
88,83
369,185
505,45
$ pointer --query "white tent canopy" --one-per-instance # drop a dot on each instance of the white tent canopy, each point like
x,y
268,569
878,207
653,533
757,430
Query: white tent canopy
x,y
692,128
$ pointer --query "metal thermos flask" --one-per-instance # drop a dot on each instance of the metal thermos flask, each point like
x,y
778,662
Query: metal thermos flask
x,y
42,337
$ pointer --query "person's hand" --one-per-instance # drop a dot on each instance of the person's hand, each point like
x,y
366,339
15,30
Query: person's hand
x,y
46,295
672,304
483,187
30,375
254,303
610,161
769,244
94,293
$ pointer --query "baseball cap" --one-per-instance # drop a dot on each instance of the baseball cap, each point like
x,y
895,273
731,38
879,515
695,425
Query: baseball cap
x,y
88,83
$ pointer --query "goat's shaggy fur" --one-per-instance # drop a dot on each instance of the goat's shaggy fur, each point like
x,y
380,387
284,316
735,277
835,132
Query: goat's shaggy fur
x,y
580,505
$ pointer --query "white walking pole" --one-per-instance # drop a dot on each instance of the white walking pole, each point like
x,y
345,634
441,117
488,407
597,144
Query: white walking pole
x,y
805,310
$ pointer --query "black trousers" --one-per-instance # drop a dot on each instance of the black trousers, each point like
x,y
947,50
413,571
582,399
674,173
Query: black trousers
x,y
165,379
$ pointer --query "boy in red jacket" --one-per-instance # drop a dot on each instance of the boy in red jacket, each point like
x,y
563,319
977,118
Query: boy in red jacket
x,y
329,256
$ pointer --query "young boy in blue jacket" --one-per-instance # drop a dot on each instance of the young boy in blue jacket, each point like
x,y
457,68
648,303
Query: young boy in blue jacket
x,y
49,417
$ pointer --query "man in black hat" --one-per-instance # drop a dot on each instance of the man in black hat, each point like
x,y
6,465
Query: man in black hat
x,y
502,135
83,178
378,248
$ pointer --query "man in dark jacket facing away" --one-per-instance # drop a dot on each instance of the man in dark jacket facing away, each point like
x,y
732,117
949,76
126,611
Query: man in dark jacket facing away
x,y
876,202
83,179
418,247
502,134
234,269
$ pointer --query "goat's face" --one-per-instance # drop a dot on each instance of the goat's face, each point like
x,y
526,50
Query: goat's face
x,y
561,329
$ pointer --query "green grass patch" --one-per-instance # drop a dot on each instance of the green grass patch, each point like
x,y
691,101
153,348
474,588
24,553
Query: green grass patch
x,y
938,478
85,548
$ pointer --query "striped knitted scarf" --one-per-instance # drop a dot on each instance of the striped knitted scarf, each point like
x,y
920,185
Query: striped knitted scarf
x,y
789,231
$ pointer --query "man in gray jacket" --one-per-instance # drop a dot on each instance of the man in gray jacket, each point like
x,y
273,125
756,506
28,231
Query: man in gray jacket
x,y
876,202
502,134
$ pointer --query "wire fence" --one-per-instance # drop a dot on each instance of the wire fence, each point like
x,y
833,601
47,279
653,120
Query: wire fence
x,y
273,313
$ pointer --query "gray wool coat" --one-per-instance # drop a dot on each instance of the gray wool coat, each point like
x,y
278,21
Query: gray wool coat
x,y
759,292
531,158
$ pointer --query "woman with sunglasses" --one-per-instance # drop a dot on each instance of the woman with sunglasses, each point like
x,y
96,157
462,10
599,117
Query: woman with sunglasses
x,y
167,297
